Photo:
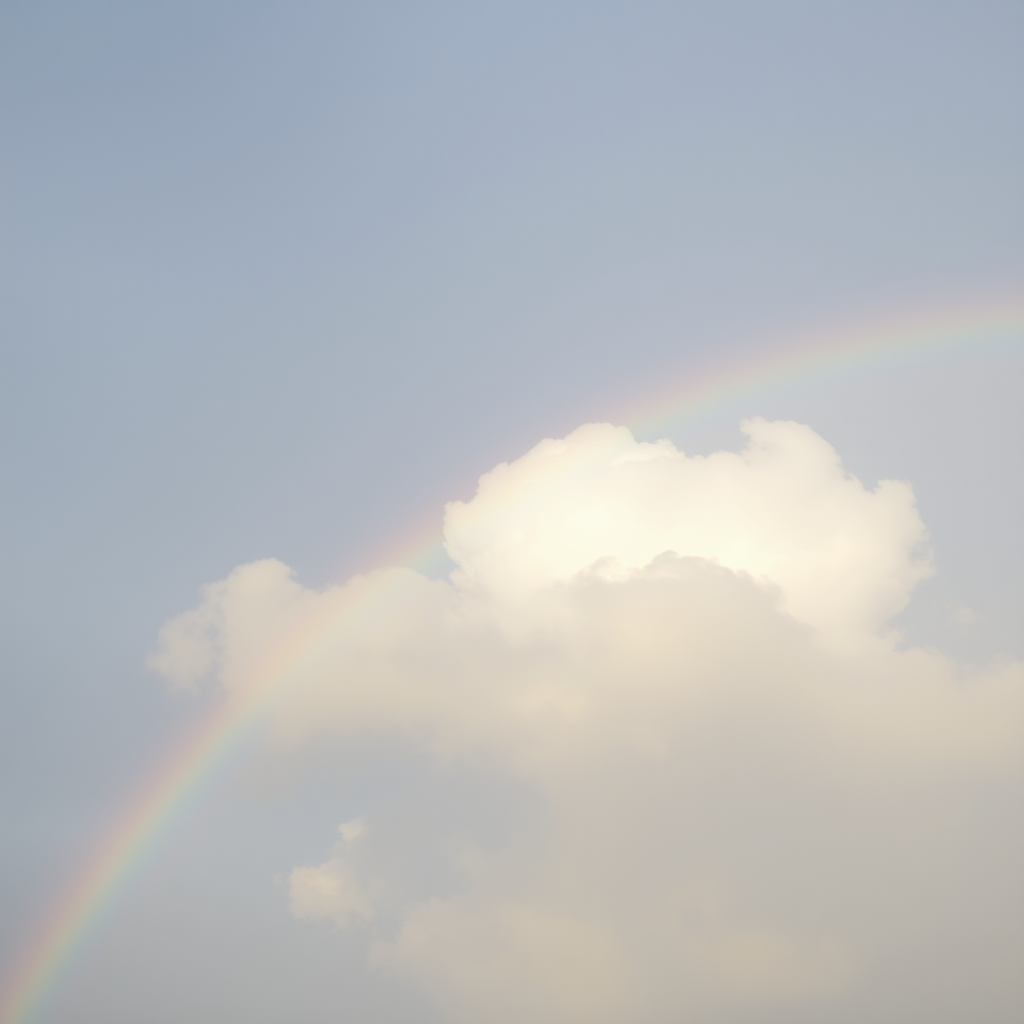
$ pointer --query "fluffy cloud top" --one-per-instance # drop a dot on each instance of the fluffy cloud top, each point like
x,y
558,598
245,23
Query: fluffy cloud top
x,y
749,802
782,511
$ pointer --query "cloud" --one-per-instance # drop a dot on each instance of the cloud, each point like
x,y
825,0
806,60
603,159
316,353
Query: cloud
x,y
334,891
962,616
749,801
783,511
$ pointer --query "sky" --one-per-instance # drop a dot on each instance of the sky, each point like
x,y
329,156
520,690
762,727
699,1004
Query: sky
x,y
702,711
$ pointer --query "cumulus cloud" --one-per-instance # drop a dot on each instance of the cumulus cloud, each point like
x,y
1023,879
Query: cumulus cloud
x,y
334,890
751,802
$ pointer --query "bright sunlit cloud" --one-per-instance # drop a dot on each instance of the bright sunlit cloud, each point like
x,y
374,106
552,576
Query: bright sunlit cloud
x,y
749,798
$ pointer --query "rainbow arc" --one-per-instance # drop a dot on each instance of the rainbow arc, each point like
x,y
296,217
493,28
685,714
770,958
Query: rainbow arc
x,y
172,787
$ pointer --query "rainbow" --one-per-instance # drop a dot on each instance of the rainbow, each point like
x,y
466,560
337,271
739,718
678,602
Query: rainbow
x,y
235,719
820,355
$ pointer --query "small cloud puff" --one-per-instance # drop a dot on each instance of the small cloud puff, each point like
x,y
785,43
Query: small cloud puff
x,y
333,891
962,616
754,803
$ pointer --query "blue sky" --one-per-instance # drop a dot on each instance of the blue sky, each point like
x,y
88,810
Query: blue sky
x,y
279,280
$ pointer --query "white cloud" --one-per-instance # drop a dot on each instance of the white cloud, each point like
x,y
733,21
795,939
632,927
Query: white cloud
x,y
962,616
335,890
752,799
783,511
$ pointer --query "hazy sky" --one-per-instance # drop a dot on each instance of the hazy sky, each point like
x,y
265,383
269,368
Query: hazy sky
x,y
281,280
